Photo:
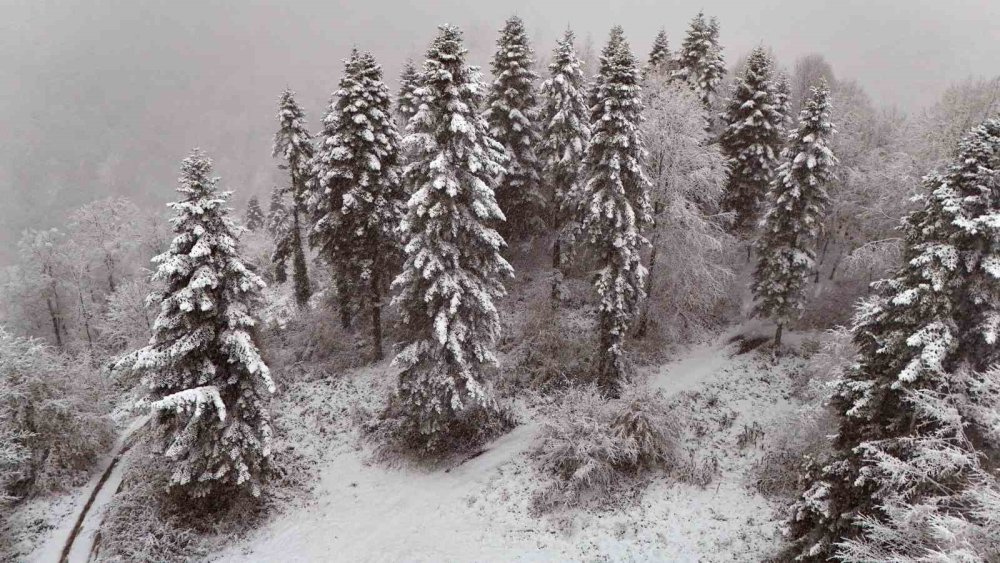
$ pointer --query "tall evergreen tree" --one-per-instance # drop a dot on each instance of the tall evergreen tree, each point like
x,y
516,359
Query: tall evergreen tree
x,y
453,270
751,141
255,215
699,61
565,135
513,118
209,385
616,203
783,98
918,407
278,225
359,203
406,101
293,144
796,203
659,61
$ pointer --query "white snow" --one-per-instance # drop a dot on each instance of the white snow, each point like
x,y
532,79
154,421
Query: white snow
x,y
479,510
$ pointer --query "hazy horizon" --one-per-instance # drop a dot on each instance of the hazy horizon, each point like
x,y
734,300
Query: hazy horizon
x,y
105,98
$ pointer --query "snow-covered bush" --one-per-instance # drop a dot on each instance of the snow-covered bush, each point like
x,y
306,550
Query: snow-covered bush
x,y
127,322
590,444
141,524
54,419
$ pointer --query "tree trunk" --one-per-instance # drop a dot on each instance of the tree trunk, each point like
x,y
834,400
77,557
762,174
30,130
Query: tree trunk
x,y
54,314
376,297
777,335
642,327
300,273
557,268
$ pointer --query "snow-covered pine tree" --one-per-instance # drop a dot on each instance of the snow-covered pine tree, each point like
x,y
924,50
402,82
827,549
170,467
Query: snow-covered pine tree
x,y
255,215
512,114
359,200
406,100
699,61
794,218
751,141
783,99
565,134
278,224
208,385
293,144
454,269
616,204
660,60
918,407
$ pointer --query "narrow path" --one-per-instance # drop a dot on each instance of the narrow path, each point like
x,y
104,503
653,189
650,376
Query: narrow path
x,y
74,541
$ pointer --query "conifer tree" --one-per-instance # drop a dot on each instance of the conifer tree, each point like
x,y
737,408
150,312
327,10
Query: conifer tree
x,y
513,118
616,203
359,201
406,101
699,61
909,478
565,134
209,385
659,55
796,203
783,98
453,270
278,224
255,215
293,144
751,141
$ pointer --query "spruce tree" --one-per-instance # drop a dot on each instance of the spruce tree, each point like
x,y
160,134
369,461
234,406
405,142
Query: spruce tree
x,y
659,61
209,385
513,118
699,61
616,203
293,144
359,201
278,225
406,101
796,203
453,270
783,99
255,215
565,135
751,141
917,408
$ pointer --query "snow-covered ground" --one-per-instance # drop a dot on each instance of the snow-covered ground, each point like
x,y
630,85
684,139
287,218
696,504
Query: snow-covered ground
x,y
479,510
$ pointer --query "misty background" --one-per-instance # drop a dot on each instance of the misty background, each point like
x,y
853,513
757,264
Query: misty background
x,y
105,97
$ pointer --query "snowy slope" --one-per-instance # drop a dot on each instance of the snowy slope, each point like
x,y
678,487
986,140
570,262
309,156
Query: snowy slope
x,y
479,510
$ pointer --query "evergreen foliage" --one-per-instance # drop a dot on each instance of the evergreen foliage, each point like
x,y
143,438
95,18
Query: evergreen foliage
x,y
453,270
751,140
278,225
908,479
406,101
255,215
699,61
512,115
209,386
660,58
565,135
616,204
293,144
796,204
359,200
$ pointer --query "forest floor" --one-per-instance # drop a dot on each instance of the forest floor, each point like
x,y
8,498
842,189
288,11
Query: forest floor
x,y
362,509
732,399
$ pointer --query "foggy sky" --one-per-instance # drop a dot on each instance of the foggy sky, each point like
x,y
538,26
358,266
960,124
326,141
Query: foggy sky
x,y
105,97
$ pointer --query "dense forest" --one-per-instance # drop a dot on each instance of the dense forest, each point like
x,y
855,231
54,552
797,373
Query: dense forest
x,y
598,284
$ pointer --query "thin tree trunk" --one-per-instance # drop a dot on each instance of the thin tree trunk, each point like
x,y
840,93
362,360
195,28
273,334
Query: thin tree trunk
x,y
86,320
376,297
642,327
54,314
777,335
557,268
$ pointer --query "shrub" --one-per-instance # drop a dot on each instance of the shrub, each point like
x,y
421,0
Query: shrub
x,y
550,353
590,444
54,419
